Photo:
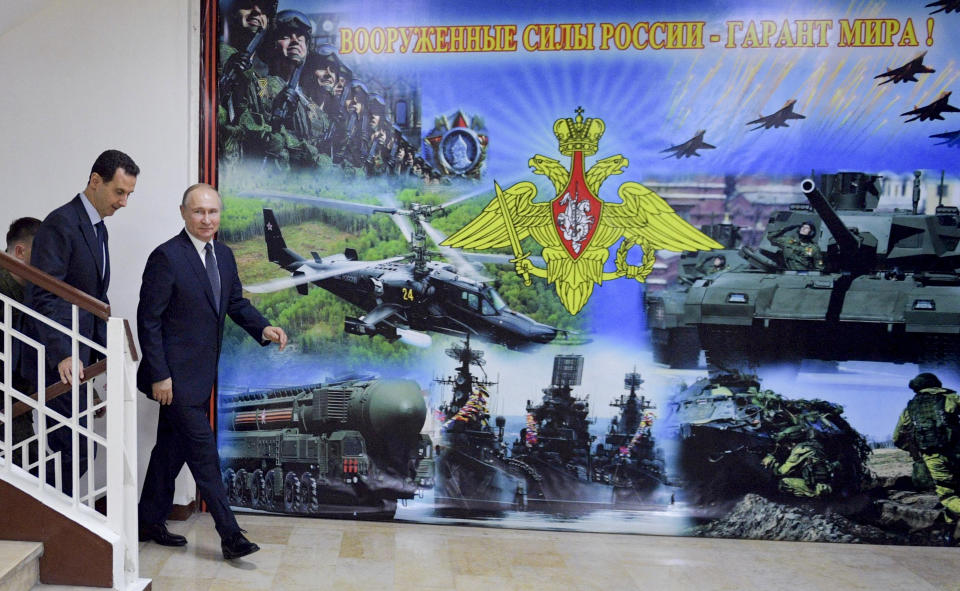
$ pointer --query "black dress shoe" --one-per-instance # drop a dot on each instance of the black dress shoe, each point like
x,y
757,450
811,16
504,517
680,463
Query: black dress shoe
x,y
161,535
237,545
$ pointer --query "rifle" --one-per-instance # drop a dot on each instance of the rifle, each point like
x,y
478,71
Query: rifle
x,y
236,65
286,102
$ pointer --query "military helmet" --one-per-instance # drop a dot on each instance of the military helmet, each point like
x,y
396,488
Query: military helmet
x,y
296,21
924,381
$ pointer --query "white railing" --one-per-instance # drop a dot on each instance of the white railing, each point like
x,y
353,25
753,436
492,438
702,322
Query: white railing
x,y
103,495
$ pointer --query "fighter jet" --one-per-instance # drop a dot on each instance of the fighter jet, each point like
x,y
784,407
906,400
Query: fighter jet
x,y
689,148
945,6
952,138
932,111
778,119
906,72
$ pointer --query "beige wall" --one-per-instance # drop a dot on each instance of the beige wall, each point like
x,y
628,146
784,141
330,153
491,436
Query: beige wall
x,y
81,76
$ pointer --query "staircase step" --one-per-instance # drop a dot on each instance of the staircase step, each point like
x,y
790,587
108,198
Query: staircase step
x,y
19,565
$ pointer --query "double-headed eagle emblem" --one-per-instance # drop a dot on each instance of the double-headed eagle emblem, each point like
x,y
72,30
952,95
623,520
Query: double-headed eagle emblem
x,y
576,229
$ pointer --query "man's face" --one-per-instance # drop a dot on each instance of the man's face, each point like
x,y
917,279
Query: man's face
x,y
339,86
201,213
326,78
806,230
253,17
354,106
293,46
108,197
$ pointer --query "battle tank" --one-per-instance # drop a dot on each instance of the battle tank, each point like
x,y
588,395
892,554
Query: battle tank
x,y
673,342
886,286
473,472
629,458
736,438
345,448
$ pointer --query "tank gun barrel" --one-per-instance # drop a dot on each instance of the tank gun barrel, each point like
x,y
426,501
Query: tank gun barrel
x,y
847,241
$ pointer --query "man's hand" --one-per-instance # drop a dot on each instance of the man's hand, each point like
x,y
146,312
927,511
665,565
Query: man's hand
x,y
275,334
65,368
163,391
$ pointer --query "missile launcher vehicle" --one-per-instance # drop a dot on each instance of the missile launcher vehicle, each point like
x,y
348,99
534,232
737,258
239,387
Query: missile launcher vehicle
x,y
347,448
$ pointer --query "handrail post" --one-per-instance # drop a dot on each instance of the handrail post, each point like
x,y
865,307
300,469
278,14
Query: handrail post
x,y
118,503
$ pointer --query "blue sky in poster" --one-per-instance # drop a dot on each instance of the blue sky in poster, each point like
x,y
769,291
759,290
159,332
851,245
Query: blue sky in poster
x,y
653,99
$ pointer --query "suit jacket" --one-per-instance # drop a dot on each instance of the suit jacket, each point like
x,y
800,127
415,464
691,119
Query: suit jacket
x,y
180,330
66,247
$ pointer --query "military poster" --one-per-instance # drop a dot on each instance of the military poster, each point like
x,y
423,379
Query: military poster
x,y
655,268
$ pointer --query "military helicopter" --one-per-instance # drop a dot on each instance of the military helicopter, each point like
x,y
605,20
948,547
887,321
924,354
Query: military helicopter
x,y
405,296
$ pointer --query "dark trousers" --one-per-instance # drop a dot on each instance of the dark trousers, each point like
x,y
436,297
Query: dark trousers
x,y
184,436
61,440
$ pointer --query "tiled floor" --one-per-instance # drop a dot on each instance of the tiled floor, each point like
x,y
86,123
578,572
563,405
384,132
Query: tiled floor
x,y
304,554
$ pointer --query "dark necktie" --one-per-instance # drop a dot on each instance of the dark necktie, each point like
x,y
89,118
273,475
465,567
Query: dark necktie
x,y
101,229
213,274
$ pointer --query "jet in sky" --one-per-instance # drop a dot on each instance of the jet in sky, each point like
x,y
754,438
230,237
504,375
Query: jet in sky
x,y
689,148
945,6
952,138
778,119
907,72
934,110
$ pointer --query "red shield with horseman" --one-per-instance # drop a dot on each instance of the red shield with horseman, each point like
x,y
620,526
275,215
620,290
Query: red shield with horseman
x,y
576,211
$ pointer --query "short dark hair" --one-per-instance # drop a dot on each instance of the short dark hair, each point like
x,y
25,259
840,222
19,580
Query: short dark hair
x,y
21,229
109,161
924,381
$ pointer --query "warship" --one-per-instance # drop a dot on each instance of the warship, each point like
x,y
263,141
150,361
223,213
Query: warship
x,y
473,472
554,448
629,458
347,448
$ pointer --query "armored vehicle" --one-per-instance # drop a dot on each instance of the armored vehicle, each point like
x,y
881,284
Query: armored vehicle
x,y
838,280
674,343
736,438
473,470
347,448
629,458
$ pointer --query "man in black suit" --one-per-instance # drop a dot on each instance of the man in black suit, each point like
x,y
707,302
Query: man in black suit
x,y
190,285
71,245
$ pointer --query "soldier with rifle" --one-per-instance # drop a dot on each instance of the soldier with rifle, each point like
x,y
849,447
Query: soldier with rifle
x,y
297,123
930,426
240,112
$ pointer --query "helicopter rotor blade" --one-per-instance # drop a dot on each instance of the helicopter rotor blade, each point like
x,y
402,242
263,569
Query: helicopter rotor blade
x,y
498,259
454,255
399,216
480,191
338,268
313,200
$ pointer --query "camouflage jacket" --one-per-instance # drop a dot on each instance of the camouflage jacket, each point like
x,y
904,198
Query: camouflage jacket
x,y
914,437
800,255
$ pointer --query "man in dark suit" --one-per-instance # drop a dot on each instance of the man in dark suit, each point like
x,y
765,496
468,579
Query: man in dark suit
x,y
190,285
71,245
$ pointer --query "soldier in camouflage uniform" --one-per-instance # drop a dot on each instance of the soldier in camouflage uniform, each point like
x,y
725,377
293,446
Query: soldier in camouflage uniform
x,y
298,123
806,472
241,113
19,244
930,427
799,249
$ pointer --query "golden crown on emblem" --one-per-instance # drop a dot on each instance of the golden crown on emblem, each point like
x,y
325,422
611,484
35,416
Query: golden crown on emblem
x,y
580,135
